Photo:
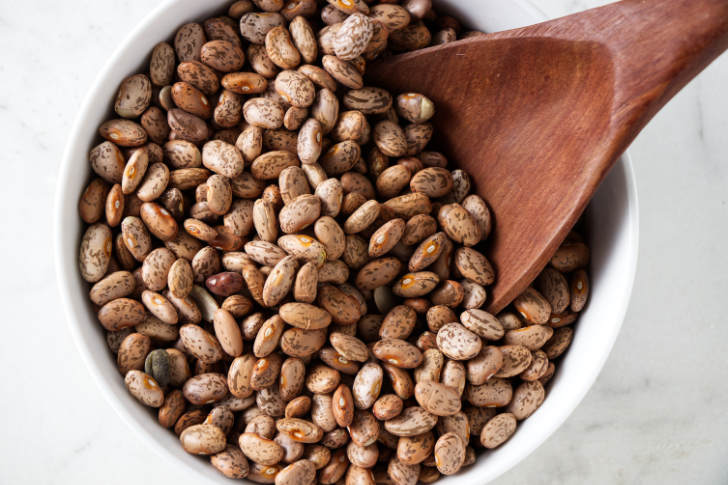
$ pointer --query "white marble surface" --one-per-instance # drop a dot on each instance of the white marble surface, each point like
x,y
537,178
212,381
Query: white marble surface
x,y
655,416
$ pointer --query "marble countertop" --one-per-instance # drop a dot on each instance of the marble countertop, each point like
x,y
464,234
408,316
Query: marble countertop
x,y
655,416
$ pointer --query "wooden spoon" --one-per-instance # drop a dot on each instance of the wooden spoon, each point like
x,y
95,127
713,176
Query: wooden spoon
x,y
539,115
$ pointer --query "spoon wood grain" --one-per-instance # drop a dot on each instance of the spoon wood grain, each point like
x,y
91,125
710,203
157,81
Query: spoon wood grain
x,y
538,115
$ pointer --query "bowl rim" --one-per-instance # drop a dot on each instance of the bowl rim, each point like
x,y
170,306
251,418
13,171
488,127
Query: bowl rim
x,y
65,267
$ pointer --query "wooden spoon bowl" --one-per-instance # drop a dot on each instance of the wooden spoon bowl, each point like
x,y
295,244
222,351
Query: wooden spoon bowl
x,y
538,115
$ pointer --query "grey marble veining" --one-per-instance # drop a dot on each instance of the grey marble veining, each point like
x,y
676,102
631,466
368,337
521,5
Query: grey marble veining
x,y
655,416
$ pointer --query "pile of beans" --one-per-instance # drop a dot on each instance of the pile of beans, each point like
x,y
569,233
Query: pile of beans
x,y
290,275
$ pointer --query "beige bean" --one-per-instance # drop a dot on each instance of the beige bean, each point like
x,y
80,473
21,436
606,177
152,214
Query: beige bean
x,y
495,392
341,157
180,277
398,353
474,295
268,336
457,423
482,323
342,71
263,473
264,113
95,251
386,237
107,162
184,178
579,287
114,207
415,107
171,409
205,388
301,472
351,348
402,474
300,213
532,306
279,281
93,200
260,450
239,375
280,48
387,407
449,453
527,398
330,234
318,76
485,365
269,165
200,343
352,38
132,352
161,64
364,428
298,407
160,307
436,398
144,388
291,378
158,220
265,373
532,337
296,88
264,253
415,449
310,141
367,385
431,366
222,158
300,430
134,170
454,375
411,422
322,413
305,316
459,225
115,285
261,424
322,379
413,285
255,25
428,252
325,109
228,333
570,256
292,182
559,342
516,359
498,430
297,342
121,313
398,323
124,133
343,308
538,368
409,205
231,462
303,37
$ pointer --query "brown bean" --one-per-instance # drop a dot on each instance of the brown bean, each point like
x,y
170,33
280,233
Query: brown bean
x,y
498,430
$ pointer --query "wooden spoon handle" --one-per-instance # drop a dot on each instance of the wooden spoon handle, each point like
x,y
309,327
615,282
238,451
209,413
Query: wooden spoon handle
x,y
658,46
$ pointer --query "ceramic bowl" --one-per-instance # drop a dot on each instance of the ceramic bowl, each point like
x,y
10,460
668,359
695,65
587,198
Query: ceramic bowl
x,y
612,231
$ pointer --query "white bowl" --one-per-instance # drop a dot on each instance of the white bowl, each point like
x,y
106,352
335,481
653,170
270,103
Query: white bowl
x,y
611,219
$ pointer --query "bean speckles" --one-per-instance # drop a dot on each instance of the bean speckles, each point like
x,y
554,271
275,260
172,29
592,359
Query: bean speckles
x,y
284,267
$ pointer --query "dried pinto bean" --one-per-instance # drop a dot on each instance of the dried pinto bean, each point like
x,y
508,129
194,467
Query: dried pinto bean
x,y
326,236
